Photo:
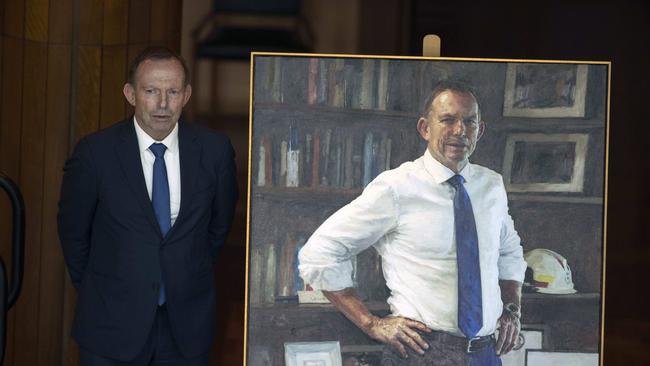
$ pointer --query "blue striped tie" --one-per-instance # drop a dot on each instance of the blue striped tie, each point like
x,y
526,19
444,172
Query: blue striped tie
x,y
470,312
160,199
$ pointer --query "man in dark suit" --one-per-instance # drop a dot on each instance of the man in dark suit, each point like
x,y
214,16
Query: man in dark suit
x,y
145,205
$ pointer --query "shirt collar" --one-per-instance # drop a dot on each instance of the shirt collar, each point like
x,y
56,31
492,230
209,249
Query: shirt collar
x,y
441,173
144,140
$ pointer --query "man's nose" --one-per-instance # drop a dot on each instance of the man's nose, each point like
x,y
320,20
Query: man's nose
x,y
459,127
162,103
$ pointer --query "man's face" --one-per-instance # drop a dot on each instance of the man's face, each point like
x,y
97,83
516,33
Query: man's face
x,y
159,95
452,128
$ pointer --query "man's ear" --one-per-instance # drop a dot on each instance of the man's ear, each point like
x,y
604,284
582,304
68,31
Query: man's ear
x,y
481,130
129,93
187,94
423,128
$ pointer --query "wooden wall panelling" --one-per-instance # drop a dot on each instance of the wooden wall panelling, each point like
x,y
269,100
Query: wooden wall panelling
x,y
62,67
5,252
10,127
14,18
116,21
12,83
114,61
56,152
378,23
2,11
60,24
4,201
139,34
36,20
91,22
133,50
335,24
2,40
31,183
139,21
174,19
113,76
159,21
70,349
88,91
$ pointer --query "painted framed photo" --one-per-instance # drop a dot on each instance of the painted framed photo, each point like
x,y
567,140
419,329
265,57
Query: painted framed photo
x,y
533,340
312,354
544,358
545,90
329,132
535,162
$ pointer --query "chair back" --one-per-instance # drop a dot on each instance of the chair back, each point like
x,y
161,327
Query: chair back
x,y
270,7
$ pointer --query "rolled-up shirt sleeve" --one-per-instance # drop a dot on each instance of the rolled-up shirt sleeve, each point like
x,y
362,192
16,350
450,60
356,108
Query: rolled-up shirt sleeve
x,y
512,265
325,262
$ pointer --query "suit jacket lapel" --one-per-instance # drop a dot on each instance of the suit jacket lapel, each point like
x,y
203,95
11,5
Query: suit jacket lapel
x,y
190,156
128,153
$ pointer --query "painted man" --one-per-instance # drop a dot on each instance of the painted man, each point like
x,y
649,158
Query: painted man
x,y
450,254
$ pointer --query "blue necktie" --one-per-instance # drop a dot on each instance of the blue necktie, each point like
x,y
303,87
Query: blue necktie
x,y
470,312
160,198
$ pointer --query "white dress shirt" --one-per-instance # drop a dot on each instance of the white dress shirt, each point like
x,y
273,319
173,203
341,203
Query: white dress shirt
x,y
172,163
407,214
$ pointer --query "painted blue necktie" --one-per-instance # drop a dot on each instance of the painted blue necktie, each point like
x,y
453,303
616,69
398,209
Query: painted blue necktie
x,y
470,311
160,198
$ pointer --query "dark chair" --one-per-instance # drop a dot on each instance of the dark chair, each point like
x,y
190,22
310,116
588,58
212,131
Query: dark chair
x,y
235,28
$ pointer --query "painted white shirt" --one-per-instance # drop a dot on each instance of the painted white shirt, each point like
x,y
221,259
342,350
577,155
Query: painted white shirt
x,y
407,214
172,163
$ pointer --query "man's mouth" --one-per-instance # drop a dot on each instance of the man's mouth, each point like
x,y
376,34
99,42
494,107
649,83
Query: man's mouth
x,y
457,145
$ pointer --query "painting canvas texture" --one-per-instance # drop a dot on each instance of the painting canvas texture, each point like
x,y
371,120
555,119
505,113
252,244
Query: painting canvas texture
x,y
323,127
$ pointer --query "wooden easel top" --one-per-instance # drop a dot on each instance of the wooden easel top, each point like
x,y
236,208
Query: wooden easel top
x,y
431,46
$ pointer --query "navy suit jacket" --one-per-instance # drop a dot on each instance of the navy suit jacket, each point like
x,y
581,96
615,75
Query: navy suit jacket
x,y
114,250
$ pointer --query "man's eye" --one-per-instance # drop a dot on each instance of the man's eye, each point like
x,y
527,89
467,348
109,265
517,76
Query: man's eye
x,y
173,92
470,122
447,121
149,91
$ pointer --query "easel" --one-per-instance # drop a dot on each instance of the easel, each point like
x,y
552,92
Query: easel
x,y
431,46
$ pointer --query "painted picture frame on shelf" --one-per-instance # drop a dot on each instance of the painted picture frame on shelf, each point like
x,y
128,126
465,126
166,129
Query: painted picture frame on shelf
x,y
312,354
533,339
538,162
545,90
543,358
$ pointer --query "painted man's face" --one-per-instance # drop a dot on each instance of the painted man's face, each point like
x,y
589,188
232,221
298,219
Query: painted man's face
x,y
452,128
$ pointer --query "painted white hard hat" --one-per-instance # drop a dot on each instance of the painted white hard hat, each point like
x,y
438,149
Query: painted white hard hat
x,y
551,272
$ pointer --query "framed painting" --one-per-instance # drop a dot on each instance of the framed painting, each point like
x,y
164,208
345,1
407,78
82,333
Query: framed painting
x,y
326,131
